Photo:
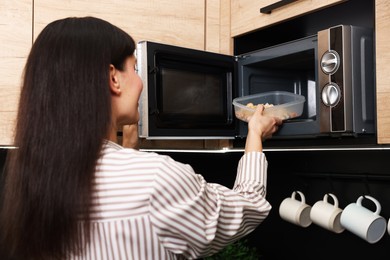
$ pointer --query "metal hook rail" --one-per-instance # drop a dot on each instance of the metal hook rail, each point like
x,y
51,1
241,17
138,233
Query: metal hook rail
x,y
365,177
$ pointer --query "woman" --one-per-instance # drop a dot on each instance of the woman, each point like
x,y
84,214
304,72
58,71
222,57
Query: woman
x,y
71,192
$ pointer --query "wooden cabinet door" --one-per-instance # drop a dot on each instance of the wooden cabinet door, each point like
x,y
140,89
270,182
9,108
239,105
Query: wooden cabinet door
x,y
15,43
246,16
382,15
178,22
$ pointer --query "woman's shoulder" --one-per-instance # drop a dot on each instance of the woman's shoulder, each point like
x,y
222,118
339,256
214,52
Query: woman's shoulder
x,y
114,151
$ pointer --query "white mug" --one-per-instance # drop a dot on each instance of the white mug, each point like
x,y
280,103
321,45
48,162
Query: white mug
x,y
363,222
388,227
327,215
295,211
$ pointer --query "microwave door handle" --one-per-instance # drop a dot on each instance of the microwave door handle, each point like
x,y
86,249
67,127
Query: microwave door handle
x,y
154,110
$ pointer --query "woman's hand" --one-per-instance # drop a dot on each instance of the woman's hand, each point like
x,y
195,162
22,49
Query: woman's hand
x,y
260,127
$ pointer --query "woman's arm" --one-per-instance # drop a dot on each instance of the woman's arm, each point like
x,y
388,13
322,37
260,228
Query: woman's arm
x,y
195,218
260,128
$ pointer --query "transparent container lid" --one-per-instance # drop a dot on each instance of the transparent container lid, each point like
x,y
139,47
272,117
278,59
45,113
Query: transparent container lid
x,y
281,104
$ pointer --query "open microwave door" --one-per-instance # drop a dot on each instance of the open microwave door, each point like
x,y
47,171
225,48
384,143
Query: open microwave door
x,y
187,93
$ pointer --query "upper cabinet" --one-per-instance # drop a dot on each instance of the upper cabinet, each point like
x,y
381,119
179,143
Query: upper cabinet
x,y
179,22
15,43
246,16
382,14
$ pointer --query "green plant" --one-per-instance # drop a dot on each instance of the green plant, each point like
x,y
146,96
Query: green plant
x,y
239,250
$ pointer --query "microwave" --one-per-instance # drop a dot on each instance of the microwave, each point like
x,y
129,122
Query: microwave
x,y
188,93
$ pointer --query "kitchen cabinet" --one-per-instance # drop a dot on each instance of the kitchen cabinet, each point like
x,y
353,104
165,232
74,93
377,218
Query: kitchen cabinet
x,y
217,27
15,43
382,14
246,16
178,22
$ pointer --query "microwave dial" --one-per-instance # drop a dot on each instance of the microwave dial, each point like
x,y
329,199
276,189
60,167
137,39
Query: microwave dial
x,y
331,94
330,62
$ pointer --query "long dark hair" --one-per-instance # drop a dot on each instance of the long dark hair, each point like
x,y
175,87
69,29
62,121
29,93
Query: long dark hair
x,y
63,118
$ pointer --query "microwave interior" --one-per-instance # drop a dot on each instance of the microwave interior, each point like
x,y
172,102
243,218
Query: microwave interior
x,y
290,67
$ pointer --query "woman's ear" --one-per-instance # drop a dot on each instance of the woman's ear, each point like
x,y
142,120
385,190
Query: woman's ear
x,y
114,81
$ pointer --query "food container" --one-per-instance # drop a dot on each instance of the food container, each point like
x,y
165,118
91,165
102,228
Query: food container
x,y
282,104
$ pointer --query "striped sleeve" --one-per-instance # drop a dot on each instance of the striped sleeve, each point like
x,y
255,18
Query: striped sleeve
x,y
252,174
195,218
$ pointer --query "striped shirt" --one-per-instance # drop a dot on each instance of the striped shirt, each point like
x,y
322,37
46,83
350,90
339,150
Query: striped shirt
x,y
148,206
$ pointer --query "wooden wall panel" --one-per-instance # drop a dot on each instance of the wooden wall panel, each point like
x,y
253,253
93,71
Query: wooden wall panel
x,y
218,38
179,22
15,43
382,12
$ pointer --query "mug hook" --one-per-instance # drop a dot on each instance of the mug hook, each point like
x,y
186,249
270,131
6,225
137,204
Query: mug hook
x,y
366,185
330,181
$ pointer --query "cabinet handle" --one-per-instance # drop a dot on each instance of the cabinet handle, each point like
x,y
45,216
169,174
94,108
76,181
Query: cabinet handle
x,y
268,9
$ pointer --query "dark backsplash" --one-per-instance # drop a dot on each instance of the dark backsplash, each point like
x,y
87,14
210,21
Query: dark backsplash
x,y
3,154
347,174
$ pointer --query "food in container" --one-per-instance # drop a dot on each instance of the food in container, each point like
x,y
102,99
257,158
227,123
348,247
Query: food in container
x,y
282,104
